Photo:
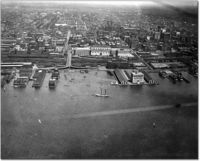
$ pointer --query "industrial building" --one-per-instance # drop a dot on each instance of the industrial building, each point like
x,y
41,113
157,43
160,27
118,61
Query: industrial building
x,y
82,51
125,53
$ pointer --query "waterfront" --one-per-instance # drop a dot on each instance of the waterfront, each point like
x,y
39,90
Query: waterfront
x,y
57,136
148,109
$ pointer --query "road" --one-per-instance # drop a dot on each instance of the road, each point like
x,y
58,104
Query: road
x,y
67,48
143,61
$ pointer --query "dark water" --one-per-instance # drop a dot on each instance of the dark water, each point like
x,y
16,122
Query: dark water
x,y
35,123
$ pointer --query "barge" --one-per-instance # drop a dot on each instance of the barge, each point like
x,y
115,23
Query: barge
x,y
38,78
20,82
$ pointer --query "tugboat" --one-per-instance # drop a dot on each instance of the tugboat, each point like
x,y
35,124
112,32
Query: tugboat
x,y
52,83
101,95
55,74
162,74
180,76
114,83
173,77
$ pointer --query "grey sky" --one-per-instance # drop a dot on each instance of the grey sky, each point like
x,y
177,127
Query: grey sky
x,y
116,2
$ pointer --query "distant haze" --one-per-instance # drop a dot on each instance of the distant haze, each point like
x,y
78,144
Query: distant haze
x,y
118,2
185,6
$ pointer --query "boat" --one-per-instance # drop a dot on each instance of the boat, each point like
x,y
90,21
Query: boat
x,y
162,74
55,74
81,71
101,95
114,83
20,82
173,78
52,83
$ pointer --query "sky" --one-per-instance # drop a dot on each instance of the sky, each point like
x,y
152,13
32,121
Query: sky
x,y
113,2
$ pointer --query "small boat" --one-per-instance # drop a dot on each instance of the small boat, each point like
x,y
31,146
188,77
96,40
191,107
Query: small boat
x,y
101,95
65,77
81,71
114,83
52,83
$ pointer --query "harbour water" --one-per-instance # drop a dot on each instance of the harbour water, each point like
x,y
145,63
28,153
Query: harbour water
x,y
36,124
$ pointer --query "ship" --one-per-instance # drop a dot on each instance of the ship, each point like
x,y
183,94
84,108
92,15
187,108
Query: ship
x,y
101,95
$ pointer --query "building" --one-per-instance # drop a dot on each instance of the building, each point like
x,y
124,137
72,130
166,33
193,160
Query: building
x,y
121,52
159,65
58,42
121,77
166,36
157,35
82,51
137,77
125,53
59,49
100,50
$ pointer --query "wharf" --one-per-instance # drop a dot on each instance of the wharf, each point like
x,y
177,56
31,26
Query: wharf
x,y
131,84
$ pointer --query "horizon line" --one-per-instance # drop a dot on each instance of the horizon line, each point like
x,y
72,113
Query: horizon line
x,y
109,2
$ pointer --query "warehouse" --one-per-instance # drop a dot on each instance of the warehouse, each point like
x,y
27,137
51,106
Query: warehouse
x,y
82,51
125,53
159,65
148,79
100,50
121,76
